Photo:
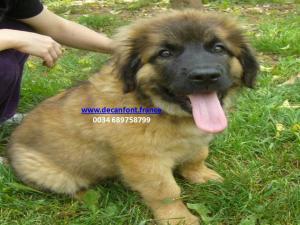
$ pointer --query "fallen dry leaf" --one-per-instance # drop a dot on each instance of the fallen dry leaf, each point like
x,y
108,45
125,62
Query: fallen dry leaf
x,y
3,161
279,128
286,104
265,68
286,47
274,78
296,127
292,80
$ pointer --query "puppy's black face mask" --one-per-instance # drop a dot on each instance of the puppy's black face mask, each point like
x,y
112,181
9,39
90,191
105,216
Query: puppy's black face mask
x,y
192,69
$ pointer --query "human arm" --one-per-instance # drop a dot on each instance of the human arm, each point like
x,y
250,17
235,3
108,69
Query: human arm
x,y
69,33
31,43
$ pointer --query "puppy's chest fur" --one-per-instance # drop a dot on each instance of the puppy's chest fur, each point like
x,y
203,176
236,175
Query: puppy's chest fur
x,y
178,141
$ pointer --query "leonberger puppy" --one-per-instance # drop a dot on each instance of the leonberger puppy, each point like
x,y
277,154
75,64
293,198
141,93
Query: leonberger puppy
x,y
188,64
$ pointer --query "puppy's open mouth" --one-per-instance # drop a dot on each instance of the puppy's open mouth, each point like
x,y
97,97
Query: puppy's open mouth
x,y
206,108
208,113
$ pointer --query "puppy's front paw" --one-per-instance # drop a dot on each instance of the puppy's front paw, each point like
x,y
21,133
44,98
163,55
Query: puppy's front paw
x,y
193,220
201,175
187,220
175,214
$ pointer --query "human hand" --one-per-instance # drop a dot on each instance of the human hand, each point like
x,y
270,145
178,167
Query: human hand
x,y
39,45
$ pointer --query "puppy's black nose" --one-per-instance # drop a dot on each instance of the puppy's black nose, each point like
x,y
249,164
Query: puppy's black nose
x,y
204,75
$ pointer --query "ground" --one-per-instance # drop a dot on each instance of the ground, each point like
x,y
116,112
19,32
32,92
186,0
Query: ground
x,y
259,155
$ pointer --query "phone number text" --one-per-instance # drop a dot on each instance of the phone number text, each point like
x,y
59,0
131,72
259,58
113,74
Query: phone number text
x,y
121,119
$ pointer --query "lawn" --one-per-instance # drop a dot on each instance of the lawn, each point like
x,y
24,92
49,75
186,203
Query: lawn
x,y
259,155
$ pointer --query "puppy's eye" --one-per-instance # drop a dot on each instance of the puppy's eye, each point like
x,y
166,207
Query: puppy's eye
x,y
165,53
219,48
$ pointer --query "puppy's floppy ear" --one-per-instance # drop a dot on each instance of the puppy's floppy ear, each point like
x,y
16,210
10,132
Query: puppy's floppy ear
x,y
127,71
126,58
250,66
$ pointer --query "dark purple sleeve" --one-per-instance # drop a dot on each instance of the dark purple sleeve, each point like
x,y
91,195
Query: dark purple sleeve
x,y
23,9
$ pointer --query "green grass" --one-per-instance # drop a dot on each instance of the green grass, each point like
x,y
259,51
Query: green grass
x,y
259,161
41,82
230,2
105,22
140,4
279,35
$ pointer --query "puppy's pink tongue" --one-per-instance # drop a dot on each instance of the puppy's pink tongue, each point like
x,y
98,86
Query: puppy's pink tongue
x,y
208,113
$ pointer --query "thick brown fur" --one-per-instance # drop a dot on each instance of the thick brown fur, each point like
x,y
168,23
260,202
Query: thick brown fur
x,y
58,149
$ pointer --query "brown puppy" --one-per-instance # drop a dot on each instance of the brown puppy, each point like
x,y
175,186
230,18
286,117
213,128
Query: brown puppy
x,y
186,63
